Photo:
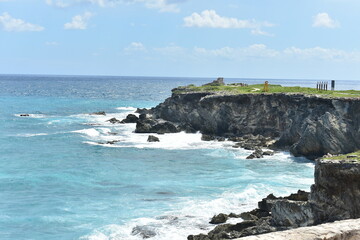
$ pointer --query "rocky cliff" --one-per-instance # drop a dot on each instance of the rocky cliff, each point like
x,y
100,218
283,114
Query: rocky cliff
x,y
310,126
334,196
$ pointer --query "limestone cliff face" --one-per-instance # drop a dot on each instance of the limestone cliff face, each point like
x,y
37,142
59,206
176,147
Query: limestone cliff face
x,y
336,192
308,125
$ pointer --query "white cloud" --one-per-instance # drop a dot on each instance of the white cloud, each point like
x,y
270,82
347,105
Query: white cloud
x,y
324,20
323,54
11,24
252,51
261,51
79,21
135,46
210,19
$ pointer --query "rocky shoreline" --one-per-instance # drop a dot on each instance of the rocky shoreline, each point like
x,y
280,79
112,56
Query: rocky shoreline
x,y
307,125
334,196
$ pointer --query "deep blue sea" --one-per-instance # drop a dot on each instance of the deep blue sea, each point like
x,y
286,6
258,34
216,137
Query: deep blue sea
x,y
58,180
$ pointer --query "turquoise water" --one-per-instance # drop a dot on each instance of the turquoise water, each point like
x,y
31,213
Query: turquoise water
x,y
60,180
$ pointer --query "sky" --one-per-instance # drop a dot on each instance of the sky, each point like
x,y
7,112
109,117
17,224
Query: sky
x,y
307,39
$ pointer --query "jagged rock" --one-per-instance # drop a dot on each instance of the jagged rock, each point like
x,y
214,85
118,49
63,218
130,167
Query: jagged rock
x,y
152,138
307,125
257,154
130,118
112,142
98,113
206,137
336,192
268,153
143,231
248,216
267,203
286,213
220,218
25,115
113,120
299,196
218,82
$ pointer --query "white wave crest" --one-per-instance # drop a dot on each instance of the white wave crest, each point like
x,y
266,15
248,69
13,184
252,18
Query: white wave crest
x,y
126,108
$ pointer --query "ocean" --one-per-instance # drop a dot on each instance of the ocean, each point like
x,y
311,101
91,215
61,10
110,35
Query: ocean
x,y
60,180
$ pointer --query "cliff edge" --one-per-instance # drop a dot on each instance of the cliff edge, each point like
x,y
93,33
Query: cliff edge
x,y
308,125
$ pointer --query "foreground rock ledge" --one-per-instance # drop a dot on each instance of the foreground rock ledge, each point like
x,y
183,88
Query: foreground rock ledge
x,y
340,230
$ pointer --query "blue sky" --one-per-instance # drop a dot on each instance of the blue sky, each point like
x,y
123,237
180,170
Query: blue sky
x,y
314,39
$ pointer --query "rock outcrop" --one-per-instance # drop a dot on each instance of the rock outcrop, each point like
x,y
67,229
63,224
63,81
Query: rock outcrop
x,y
334,196
309,126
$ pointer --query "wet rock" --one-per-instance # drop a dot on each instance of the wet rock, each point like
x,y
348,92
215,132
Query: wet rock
x,y
299,196
143,231
112,142
152,138
268,153
130,118
286,213
267,203
206,137
220,218
98,113
25,115
113,120
258,153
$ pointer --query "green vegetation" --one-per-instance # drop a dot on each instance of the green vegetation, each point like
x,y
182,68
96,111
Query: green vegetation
x,y
349,156
258,88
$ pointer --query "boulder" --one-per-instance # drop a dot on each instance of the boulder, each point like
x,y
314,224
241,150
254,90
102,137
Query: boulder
x,y
152,138
98,113
25,115
113,120
220,218
130,118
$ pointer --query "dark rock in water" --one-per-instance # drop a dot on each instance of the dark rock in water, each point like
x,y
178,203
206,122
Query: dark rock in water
x,y
25,115
113,133
112,142
220,218
142,110
257,154
206,137
268,153
98,113
113,120
143,231
198,237
151,126
152,138
130,118
234,215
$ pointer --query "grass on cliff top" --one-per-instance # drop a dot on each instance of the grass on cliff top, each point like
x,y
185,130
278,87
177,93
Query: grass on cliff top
x,y
259,88
350,156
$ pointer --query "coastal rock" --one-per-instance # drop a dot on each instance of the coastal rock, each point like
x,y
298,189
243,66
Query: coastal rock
x,y
130,118
220,218
309,126
287,213
152,138
25,115
113,120
149,125
206,137
98,113
336,192
257,154
144,231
